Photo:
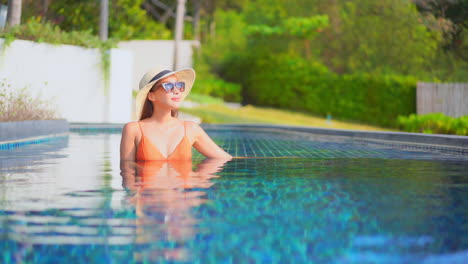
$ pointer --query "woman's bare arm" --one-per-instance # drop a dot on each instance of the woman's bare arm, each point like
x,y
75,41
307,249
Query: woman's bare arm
x,y
205,145
127,145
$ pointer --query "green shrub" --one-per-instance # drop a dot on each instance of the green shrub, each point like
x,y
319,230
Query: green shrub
x,y
219,88
43,31
208,83
303,85
435,123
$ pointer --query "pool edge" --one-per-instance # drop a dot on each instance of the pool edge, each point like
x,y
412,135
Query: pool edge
x,y
14,134
430,139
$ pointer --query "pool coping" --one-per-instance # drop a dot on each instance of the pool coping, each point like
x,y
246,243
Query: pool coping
x,y
14,134
419,138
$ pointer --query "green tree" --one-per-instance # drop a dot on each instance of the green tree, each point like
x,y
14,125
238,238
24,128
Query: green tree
x,y
127,20
383,37
302,28
450,19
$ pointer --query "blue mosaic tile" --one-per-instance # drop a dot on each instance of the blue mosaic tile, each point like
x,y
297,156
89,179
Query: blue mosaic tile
x,y
299,145
17,144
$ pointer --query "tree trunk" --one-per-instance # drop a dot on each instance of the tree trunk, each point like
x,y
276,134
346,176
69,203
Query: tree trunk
x,y
196,19
14,13
45,7
178,32
307,49
212,29
104,20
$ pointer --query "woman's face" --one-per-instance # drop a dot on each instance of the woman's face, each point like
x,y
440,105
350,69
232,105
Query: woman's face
x,y
171,99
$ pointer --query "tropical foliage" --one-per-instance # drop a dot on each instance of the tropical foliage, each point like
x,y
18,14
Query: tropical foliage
x,y
44,31
301,85
357,60
127,20
436,123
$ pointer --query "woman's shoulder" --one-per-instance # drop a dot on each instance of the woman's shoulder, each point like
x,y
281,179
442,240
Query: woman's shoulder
x,y
193,129
191,125
131,127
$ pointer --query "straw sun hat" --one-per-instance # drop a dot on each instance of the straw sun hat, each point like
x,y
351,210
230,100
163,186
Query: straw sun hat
x,y
155,74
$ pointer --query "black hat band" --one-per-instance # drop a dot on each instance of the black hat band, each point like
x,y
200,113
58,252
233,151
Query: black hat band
x,y
159,75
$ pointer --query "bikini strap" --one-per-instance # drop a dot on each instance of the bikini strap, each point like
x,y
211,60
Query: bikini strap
x,y
141,130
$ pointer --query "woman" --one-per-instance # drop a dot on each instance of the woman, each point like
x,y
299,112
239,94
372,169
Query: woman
x,y
158,134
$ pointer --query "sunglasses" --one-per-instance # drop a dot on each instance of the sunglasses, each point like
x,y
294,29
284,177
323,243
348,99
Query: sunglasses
x,y
170,86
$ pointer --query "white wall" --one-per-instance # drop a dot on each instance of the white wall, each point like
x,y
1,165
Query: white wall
x,y
148,53
71,78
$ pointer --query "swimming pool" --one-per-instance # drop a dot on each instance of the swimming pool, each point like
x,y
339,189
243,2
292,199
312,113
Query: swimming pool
x,y
304,199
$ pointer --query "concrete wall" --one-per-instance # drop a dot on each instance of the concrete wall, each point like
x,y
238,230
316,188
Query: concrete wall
x,y
71,78
148,53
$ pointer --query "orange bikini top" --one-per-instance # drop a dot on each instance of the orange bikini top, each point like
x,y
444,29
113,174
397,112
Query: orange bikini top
x,y
148,151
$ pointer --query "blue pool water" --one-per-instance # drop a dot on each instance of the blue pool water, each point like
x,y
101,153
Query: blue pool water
x,y
303,199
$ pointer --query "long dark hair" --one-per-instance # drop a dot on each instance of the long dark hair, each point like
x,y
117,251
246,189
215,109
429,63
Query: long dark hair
x,y
147,110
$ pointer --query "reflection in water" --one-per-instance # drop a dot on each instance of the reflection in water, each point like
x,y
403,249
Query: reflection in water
x,y
29,156
162,193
